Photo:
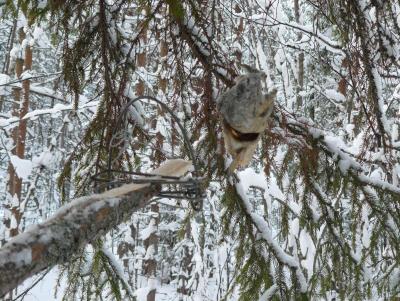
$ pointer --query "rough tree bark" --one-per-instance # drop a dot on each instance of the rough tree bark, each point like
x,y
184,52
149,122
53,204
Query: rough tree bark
x,y
14,182
23,110
75,225
151,246
21,107
150,263
300,60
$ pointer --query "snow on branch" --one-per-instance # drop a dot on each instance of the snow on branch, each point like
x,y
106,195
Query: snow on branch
x,y
75,225
266,234
202,44
333,146
58,108
354,254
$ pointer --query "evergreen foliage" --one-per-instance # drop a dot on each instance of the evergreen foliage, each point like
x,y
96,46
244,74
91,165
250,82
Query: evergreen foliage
x,y
316,216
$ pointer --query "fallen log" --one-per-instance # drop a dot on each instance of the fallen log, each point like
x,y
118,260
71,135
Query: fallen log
x,y
75,225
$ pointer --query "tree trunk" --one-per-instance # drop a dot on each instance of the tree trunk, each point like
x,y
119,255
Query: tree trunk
x,y
72,227
300,60
14,182
75,225
141,60
151,245
24,108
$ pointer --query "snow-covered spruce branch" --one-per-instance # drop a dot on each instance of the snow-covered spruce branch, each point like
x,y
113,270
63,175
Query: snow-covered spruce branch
x,y
31,189
201,45
313,32
326,206
28,76
266,234
117,269
204,56
58,108
331,146
366,35
75,225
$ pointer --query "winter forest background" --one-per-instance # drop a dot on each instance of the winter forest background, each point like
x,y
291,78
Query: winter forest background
x,y
316,215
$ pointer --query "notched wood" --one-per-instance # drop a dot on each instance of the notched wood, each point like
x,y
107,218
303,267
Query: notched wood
x,y
38,250
102,214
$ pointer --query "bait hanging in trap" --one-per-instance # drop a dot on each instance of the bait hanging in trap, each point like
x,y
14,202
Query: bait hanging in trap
x,y
190,188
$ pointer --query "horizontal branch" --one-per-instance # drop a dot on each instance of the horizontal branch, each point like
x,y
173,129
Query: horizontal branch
x,y
73,226
266,234
332,146
58,108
